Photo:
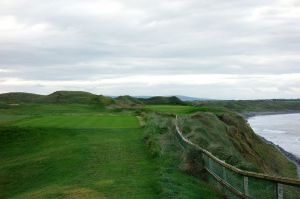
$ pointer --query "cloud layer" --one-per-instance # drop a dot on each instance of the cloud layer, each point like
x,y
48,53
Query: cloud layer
x,y
217,49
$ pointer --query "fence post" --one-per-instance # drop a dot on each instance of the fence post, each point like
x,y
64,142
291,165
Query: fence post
x,y
224,174
279,191
246,190
209,163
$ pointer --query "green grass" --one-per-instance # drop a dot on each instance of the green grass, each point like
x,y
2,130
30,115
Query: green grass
x,y
228,136
175,180
176,109
99,162
51,109
8,118
86,151
79,121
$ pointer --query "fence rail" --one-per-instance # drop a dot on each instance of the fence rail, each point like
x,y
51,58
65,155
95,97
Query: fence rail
x,y
237,183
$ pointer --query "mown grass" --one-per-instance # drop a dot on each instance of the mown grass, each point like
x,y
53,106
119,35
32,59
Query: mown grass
x,y
39,160
51,109
176,109
81,121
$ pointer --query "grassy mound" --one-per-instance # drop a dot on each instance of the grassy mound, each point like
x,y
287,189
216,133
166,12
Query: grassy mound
x,y
18,97
58,97
159,100
127,102
70,97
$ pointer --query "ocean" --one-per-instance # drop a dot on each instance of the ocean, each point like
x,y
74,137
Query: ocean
x,y
282,130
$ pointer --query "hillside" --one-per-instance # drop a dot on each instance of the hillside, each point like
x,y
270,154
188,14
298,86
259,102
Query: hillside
x,y
127,102
58,97
69,97
19,97
162,100
80,97
228,136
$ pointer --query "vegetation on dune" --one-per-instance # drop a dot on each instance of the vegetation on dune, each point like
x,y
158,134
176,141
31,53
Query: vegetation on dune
x,y
70,97
228,136
105,100
58,97
127,102
80,97
18,97
159,100
176,179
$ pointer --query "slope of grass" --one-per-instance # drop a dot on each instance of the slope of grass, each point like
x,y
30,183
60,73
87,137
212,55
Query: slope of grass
x,y
76,163
176,180
229,137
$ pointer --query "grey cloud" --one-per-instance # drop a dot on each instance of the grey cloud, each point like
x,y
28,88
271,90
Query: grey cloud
x,y
79,40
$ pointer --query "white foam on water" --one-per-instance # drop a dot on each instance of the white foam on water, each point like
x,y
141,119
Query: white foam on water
x,y
271,131
282,130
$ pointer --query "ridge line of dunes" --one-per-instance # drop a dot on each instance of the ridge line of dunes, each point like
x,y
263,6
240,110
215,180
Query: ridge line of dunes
x,y
81,97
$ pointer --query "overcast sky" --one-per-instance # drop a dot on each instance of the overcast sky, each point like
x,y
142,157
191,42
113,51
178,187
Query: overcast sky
x,y
232,49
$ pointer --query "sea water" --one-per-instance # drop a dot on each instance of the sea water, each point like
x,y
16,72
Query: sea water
x,y
282,130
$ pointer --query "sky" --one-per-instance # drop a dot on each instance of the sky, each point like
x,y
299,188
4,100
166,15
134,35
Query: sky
x,y
216,49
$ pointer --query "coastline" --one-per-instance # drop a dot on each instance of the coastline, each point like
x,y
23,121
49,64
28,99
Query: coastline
x,y
287,154
247,115
292,158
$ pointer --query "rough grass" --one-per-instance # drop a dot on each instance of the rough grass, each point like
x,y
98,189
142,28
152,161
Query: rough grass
x,y
99,162
175,180
79,121
229,137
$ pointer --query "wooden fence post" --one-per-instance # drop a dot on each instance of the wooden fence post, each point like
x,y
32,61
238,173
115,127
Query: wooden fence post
x,y
224,174
246,190
279,191
209,163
